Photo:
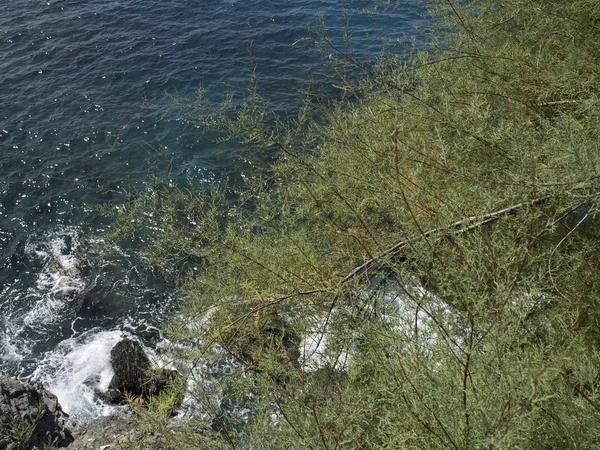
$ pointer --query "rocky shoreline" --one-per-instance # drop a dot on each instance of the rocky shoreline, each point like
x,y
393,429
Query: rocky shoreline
x,y
31,417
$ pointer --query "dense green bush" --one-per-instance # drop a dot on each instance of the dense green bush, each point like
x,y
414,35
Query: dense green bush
x,y
429,242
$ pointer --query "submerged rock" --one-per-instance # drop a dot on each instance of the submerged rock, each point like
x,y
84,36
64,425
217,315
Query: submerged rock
x,y
31,417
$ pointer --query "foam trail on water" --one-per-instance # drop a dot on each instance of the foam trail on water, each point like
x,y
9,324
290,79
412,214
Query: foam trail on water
x,y
8,349
59,280
76,368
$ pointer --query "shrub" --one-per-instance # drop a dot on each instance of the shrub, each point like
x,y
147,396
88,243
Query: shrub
x,y
429,242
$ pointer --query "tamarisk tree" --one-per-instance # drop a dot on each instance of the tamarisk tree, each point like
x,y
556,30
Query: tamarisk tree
x,y
420,265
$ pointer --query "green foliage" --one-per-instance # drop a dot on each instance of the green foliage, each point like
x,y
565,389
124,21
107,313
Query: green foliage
x,y
19,430
431,238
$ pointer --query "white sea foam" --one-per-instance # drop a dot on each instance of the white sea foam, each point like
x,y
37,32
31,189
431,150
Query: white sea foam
x,y
315,351
48,298
410,310
420,311
59,279
8,349
76,369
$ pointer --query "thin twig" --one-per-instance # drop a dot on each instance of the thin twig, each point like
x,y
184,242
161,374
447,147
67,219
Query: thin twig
x,y
460,226
320,429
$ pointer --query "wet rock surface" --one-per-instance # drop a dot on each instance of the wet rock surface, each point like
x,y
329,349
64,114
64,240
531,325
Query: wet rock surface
x,y
31,417
134,375
131,366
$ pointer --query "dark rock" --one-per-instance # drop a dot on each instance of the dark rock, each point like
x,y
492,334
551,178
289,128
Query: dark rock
x,y
31,417
289,340
272,350
131,366
111,396
161,379
134,374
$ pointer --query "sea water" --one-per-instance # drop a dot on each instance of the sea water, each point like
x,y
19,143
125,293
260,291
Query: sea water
x,y
73,134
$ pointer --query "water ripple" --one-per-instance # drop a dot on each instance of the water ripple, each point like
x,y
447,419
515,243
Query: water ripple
x,y
72,74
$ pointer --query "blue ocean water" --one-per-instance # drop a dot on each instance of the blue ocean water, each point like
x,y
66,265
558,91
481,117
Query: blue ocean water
x,y
73,74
